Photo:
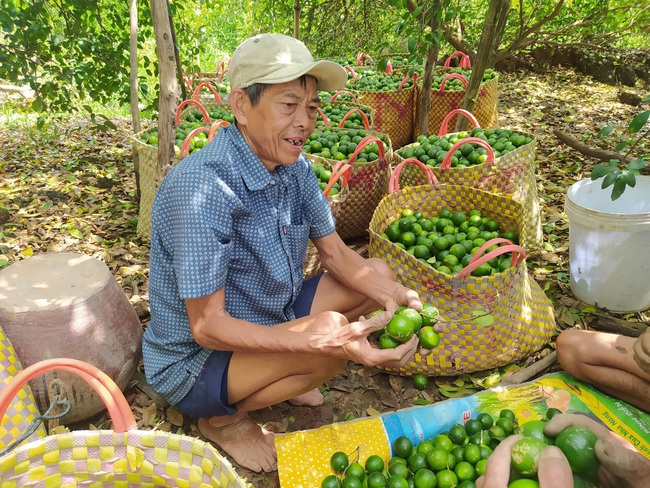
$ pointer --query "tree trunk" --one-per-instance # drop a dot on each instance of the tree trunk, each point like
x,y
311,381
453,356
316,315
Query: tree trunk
x,y
296,19
490,37
177,56
429,65
168,98
133,77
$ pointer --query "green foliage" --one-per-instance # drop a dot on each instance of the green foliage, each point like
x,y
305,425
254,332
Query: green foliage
x,y
618,176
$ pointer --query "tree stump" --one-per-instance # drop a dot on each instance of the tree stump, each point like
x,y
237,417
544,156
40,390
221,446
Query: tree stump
x,y
69,305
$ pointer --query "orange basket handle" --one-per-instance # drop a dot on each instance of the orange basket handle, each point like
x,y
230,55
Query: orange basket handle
x,y
464,62
451,76
366,141
462,111
326,121
361,56
204,84
117,406
446,162
216,125
354,74
393,183
206,117
342,92
366,122
518,255
340,169
185,150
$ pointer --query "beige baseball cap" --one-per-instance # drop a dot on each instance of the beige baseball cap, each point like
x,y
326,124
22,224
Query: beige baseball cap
x,y
276,58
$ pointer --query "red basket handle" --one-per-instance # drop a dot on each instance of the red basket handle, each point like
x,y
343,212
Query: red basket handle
x,y
323,116
346,92
206,117
464,62
117,406
366,141
200,86
354,75
185,150
389,67
404,80
462,111
360,57
366,122
393,183
453,75
518,255
340,169
446,162
216,125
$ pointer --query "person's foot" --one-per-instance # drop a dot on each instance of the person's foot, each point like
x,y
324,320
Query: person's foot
x,y
247,443
312,398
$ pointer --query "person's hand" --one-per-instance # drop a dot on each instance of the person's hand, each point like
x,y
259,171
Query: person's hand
x,y
621,464
642,351
402,296
553,468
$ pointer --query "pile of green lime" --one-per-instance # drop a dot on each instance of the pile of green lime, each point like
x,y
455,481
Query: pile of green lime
x,y
448,241
370,80
407,322
432,150
457,457
335,112
215,113
340,144
324,174
182,131
454,84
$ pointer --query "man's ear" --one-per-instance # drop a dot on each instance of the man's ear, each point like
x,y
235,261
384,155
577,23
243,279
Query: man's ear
x,y
240,105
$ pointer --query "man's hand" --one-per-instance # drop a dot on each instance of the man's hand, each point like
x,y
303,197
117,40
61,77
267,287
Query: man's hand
x,y
403,296
553,468
642,351
621,464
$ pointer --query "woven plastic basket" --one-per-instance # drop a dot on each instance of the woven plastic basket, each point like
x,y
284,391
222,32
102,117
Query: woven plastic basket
x,y
121,457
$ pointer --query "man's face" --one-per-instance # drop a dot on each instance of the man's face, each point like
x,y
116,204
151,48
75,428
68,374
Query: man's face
x,y
278,126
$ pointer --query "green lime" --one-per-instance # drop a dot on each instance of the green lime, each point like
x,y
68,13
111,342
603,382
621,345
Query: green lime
x,y
407,238
425,447
507,414
351,482
424,478
429,314
447,479
376,479
577,444
480,467
445,213
552,412
457,218
421,252
473,426
472,453
413,315
405,224
400,328
355,470
524,455
420,382
417,461
331,481
535,428
437,459
339,461
496,432
428,337
374,463
397,481
465,471
442,441
403,446
524,483
457,434
398,469
387,342
505,424
486,420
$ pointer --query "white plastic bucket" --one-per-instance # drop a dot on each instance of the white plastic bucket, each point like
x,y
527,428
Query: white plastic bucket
x,y
609,245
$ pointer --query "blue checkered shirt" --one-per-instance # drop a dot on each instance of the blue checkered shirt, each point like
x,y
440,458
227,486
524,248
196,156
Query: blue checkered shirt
x,y
221,219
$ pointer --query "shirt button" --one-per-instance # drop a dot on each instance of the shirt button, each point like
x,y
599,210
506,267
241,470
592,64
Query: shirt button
x,y
284,229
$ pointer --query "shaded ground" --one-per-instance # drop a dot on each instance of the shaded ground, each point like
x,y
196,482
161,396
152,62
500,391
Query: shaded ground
x,y
68,188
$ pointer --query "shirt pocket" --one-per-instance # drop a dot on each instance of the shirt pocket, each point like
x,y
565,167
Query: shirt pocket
x,y
297,238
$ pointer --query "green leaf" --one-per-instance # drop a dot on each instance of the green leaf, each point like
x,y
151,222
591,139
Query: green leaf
x,y
412,44
605,130
638,122
421,401
621,145
381,64
600,170
610,179
619,188
637,164
627,177
482,320
77,233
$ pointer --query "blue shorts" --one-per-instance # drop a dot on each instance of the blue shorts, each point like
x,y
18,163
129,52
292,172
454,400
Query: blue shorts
x,y
209,395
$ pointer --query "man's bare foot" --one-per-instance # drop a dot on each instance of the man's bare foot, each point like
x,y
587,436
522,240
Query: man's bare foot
x,y
249,445
312,398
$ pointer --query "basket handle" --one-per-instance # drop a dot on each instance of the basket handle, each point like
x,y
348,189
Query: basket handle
x,y
340,169
404,80
366,122
461,111
389,67
117,406
366,141
451,76
361,56
518,255
346,92
354,75
323,116
393,183
200,86
446,163
216,125
185,150
464,62
206,117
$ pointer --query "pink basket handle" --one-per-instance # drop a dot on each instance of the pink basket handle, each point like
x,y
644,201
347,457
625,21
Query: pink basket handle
x,y
354,75
206,117
393,183
461,111
200,86
389,67
464,62
405,79
446,162
344,92
361,56
340,169
117,406
216,125
326,121
185,150
366,122
366,141
451,76
518,255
